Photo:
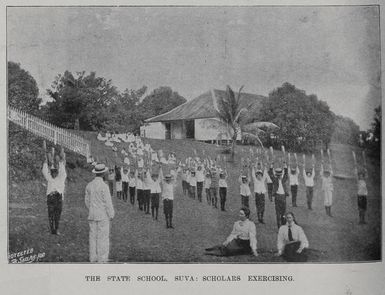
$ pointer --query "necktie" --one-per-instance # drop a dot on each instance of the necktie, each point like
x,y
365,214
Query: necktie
x,y
290,234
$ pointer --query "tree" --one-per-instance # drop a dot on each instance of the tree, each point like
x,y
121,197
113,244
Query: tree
x,y
160,101
231,114
123,113
373,140
346,131
300,117
23,92
83,98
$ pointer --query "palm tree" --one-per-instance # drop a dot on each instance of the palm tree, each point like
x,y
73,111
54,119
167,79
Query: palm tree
x,y
231,114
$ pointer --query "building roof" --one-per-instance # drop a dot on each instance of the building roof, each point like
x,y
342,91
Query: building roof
x,y
204,106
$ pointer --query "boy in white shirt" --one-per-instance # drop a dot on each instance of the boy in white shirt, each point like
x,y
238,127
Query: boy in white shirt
x,y
259,178
222,188
207,187
200,180
309,183
193,184
244,186
293,181
155,194
132,186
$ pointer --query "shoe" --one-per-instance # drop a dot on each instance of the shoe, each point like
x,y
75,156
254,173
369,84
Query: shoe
x,y
171,226
262,221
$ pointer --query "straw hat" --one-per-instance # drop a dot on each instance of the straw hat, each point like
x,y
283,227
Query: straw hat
x,y
100,168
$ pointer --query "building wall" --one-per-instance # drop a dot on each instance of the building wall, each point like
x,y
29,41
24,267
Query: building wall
x,y
155,130
177,130
209,129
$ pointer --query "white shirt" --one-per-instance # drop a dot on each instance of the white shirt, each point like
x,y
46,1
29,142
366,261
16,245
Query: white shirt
x,y
280,190
124,175
147,182
327,184
168,189
362,189
200,175
193,180
245,189
131,181
309,180
297,233
222,182
244,230
56,184
259,185
155,186
293,178
207,182
98,200
139,183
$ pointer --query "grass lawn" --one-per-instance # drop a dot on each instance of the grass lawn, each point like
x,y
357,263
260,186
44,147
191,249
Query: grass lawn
x,y
135,237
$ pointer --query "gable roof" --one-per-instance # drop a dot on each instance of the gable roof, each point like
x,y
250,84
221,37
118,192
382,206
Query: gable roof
x,y
203,106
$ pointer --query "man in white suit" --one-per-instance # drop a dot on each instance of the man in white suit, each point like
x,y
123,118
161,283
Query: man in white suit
x,y
98,201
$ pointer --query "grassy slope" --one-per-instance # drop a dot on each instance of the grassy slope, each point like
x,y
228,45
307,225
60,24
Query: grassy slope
x,y
135,237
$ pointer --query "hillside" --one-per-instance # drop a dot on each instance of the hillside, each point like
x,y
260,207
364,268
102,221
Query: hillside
x,y
136,237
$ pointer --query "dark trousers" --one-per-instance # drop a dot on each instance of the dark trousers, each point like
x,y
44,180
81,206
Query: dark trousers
x,y
270,191
132,194
245,201
294,190
208,196
125,190
222,197
260,205
362,206
280,209
199,190
214,197
168,206
55,206
193,191
139,195
235,247
111,187
290,253
309,196
154,205
146,200
184,187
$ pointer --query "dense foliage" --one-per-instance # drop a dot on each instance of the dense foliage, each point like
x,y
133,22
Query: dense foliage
x,y
301,118
23,92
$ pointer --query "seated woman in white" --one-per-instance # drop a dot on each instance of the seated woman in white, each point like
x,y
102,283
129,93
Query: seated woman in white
x,y
292,241
242,239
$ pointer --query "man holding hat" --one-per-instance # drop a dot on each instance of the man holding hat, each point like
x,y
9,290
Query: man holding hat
x,y
98,202
279,177
56,177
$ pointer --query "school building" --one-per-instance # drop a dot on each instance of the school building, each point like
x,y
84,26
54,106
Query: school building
x,y
195,119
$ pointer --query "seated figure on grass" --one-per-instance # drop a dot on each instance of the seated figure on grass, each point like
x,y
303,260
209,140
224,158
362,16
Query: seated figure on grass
x,y
242,239
292,241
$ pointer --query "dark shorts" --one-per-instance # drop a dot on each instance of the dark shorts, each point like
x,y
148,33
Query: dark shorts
x,y
168,206
362,202
155,200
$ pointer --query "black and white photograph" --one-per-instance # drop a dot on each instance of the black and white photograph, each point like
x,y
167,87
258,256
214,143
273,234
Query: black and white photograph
x,y
193,134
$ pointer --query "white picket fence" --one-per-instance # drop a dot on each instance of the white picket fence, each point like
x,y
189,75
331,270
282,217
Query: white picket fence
x,y
50,132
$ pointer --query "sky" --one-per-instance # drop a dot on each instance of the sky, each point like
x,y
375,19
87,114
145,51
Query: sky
x,y
330,51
